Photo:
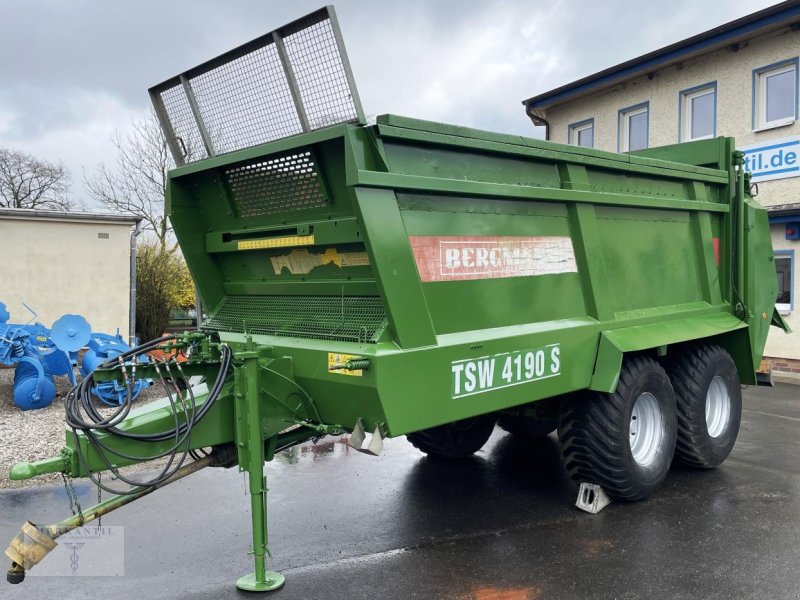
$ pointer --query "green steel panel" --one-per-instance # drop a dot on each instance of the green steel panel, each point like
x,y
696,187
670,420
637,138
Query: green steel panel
x,y
390,255
642,232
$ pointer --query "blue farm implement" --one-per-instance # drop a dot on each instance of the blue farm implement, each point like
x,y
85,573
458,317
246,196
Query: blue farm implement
x,y
40,354
38,357
104,347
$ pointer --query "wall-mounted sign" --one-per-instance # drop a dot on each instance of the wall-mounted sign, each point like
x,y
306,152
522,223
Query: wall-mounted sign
x,y
774,159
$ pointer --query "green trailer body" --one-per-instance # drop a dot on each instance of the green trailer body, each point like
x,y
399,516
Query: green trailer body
x,y
414,278
474,271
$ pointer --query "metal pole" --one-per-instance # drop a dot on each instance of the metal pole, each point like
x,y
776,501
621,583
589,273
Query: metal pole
x,y
348,71
132,302
198,117
738,160
167,128
198,309
261,580
294,88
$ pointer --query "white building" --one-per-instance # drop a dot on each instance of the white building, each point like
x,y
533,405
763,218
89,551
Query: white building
x,y
66,262
739,79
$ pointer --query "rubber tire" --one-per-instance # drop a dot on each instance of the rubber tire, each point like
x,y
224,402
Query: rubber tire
x,y
527,427
691,373
594,430
455,440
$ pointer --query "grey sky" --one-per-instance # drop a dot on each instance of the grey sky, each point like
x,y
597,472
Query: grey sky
x,y
75,71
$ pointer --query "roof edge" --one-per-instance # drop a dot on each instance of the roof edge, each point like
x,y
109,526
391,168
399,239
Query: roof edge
x,y
768,19
64,215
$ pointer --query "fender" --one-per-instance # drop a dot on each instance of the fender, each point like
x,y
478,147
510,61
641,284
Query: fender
x,y
725,328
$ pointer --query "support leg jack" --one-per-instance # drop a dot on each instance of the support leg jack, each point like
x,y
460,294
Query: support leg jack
x,y
261,580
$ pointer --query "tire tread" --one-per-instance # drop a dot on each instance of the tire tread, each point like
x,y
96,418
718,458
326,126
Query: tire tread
x,y
593,433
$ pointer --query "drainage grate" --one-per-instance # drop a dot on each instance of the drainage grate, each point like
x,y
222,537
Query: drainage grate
x,y
278,185
343,318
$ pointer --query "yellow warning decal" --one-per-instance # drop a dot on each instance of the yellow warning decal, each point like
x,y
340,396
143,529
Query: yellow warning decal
x,y
301,262
338,360
277,242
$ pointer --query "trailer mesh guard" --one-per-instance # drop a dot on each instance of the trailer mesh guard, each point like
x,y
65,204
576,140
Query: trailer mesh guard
x,y
294,79
344,318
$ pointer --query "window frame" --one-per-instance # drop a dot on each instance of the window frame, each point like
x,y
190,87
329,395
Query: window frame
x,y
573,129
623,125
783,308
685,98
759,104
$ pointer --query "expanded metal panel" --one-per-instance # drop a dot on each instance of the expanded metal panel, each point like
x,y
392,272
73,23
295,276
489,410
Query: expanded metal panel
x,y
246,101
283,184
185,131
321,75
291,80
343,318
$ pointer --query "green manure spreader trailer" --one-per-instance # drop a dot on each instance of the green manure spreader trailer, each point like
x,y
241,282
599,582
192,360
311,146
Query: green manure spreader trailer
x,y
409,278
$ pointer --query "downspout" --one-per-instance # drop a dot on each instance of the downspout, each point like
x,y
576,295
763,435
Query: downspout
x,y
132,300
537,120
738,161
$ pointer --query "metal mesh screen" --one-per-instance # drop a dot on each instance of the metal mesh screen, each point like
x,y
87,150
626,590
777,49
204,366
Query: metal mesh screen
x,y
343,318
291,80
321,76
184,127
246,101
286,183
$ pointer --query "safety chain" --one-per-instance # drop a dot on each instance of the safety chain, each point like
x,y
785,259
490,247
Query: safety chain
x,y
73,496
99,497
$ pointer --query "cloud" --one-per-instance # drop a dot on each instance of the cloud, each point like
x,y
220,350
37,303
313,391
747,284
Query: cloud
x,y
78,133
75,72
473,74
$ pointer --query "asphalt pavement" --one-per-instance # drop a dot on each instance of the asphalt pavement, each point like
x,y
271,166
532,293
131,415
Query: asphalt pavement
x,y
500,526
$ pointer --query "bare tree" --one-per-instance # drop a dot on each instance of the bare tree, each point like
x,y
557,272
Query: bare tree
x,y
135,185
27,182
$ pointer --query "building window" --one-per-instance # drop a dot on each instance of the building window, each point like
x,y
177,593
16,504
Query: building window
x,y
784,266
634,126
698,112
775,95
582,134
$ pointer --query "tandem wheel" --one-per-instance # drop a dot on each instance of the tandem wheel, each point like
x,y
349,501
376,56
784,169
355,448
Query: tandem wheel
x,y
623,441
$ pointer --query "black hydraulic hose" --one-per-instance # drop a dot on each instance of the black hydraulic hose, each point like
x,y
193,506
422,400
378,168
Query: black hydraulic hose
x,y
80,398
98,422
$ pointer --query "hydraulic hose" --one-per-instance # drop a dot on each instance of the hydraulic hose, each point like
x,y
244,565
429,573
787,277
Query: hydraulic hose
x,y
79,403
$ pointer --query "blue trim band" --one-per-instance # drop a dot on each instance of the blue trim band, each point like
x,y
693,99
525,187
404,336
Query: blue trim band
x,y
777,220
776,171
763,148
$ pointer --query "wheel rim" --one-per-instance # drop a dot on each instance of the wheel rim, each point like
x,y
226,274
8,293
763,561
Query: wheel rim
x,y
646,429
718,407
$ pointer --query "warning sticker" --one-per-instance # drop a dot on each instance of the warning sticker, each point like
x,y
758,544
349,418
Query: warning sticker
x,y
301,262
279,242
337,360
453,258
